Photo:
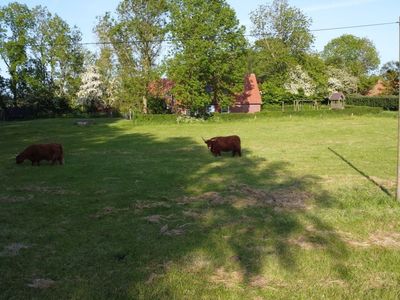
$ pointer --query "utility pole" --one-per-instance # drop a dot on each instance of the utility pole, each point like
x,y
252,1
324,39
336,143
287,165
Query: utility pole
x,y
398,125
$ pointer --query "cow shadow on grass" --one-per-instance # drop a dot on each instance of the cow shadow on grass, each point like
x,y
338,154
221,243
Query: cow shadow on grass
x,y
146,212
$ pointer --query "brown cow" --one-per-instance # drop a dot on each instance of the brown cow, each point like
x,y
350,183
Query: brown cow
x,y
224,143
38,152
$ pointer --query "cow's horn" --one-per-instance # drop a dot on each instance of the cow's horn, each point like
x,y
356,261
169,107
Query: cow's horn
x,y
203,139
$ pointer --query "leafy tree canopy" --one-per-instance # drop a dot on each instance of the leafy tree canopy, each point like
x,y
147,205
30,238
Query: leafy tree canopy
x,y
390,75
358,55
281,21
208,48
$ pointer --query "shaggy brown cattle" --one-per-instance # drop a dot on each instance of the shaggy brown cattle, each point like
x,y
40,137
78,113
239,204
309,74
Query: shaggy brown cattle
x,y
38,152
220,144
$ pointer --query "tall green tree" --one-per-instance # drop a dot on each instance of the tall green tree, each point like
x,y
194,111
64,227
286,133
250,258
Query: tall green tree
x,y
136,35
357,55
390,75
16,24
208,48
271,58
65,56
286,23
281,55
42,53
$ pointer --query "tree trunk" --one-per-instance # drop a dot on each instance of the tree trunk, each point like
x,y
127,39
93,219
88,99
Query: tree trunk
x,y
144,105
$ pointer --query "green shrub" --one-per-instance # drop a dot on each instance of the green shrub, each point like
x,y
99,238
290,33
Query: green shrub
x,y
154,118
386,102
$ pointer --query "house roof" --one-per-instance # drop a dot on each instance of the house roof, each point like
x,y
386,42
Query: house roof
x,y
160,87
337,96
377,89
251,93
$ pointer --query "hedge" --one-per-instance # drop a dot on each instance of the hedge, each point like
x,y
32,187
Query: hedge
x,y
386,102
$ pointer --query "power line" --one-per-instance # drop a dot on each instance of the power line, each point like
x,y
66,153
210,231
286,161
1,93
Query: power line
x,y
354,26
170,40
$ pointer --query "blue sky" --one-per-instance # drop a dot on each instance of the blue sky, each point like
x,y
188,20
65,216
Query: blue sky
x,y
324,13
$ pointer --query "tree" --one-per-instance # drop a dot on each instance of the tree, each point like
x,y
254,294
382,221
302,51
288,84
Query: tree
x,y
271,58
390,75
65,56
91,91
208,48
357,55
16,23
108,75
4,97
42,53
136,35
285,23
366,83
299,82
341,81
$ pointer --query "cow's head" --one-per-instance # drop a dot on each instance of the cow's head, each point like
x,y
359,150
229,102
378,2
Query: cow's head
x,y
208,142
19,159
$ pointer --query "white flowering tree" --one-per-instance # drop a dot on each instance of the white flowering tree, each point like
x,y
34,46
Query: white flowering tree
x,y
298,81
91,91
341,81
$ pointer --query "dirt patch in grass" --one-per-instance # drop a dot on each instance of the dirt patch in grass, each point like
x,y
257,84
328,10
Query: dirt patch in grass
x,y
384,182
13,249
14,199
243,195
140,205
137,206
258,281
197,263
54,190
106,211
211,197
384,239
153,277
191,214
305,243
288,198
153,218
41,283
172,232
228,278
381,280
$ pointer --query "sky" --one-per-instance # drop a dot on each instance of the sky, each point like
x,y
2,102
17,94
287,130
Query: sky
x,y
324,14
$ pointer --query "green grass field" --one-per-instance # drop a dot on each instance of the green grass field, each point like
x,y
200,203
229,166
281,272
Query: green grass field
x,y
144,211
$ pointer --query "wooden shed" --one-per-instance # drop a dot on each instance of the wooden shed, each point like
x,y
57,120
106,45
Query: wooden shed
x,y
337,100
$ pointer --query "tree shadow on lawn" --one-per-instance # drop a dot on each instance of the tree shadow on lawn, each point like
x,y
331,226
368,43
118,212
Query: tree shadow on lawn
x,y
144,205
241,213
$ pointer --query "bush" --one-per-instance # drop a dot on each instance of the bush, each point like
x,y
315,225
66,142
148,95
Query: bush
x,y
154,118
386,102
156,105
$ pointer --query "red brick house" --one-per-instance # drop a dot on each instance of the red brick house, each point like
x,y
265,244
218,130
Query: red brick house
x,y
250,100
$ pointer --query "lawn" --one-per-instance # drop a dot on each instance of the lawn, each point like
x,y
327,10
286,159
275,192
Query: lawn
x,y
144,211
